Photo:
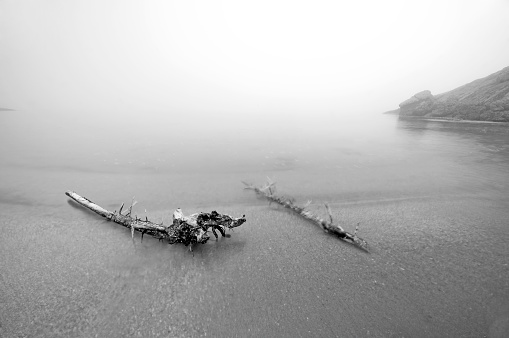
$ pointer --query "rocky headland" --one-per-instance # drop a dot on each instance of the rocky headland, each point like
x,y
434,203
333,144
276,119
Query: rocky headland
x,y
485,99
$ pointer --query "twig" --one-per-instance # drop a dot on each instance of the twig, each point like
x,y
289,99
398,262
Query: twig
x,y
328,226
187,230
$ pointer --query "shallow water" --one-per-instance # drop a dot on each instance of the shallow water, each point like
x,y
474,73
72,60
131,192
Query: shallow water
x,y
431,198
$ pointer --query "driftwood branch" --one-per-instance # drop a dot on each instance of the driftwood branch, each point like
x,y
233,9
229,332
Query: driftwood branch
x,y
268,191
187,230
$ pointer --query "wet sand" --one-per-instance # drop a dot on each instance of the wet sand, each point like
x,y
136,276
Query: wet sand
x,y
433,270
431,198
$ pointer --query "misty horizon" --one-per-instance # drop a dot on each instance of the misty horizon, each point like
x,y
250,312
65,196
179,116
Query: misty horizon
x,y
266,58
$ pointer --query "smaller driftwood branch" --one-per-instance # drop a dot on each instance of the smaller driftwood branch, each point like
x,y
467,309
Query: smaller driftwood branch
x,y
268,191
187,230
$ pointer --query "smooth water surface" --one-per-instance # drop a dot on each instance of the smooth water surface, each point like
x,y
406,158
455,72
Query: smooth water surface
x,y
431,198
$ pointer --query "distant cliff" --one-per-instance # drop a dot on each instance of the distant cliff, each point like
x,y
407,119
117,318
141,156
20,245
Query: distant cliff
x,y
485,99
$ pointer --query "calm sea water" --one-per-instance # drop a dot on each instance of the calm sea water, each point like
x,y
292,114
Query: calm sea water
x,y
432,198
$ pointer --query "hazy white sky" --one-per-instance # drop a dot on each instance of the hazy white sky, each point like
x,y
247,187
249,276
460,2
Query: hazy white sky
x,y
243,56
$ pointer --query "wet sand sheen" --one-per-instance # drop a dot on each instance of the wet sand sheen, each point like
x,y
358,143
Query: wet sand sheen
x,y
432,269
431,198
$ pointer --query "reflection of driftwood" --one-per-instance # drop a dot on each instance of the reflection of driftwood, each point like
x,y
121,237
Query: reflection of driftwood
x,y
268,191
187,230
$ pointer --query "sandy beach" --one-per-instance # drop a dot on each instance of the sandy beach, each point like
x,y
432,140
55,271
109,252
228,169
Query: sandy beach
x,y
431,199
278,275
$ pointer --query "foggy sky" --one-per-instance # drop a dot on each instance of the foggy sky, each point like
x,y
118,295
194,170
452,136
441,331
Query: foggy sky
x,y
264,56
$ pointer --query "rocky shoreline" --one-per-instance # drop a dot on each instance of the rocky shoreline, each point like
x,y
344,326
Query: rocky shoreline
x,y
485,99
449,119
